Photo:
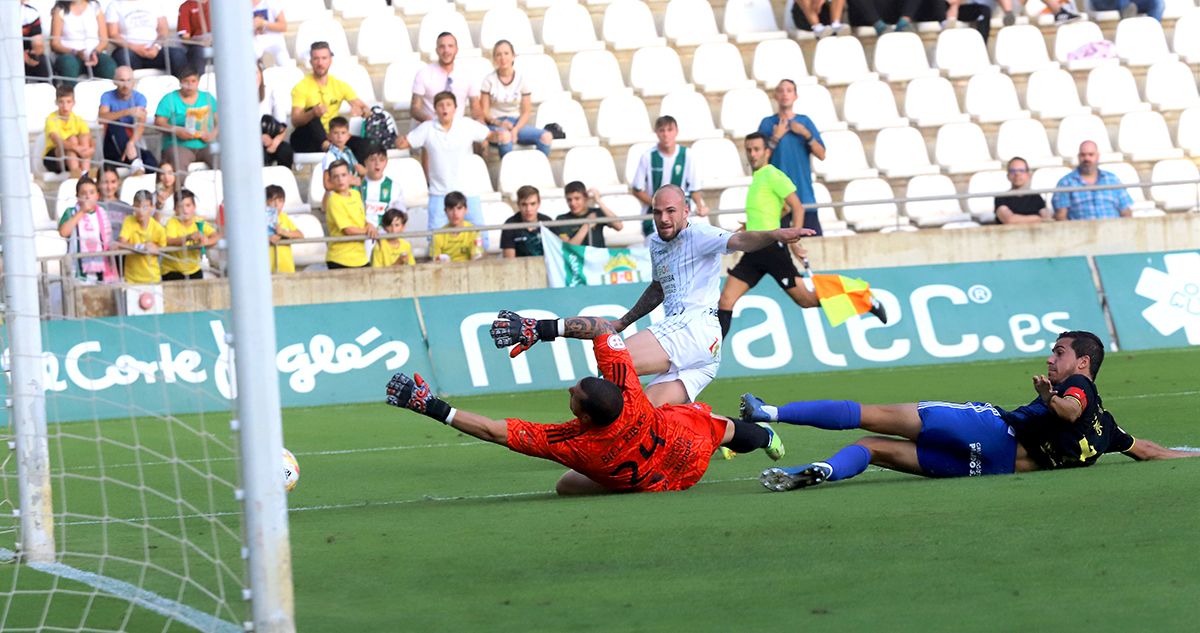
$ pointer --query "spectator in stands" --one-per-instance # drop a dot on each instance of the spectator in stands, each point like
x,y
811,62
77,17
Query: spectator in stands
x,y
339,136
392,251
142,235
69,143
1131,8
462,246
270,25
280,227
37,65
1090,205
505,105
793,138
139,30
1021,208
123,113
194,234
591,234
379,192
79,37
977,14
195,29
166,188
109,187
821,17
188,117
448,141
442,76
87,230
665,163
274,113
345,215
525,242
316,100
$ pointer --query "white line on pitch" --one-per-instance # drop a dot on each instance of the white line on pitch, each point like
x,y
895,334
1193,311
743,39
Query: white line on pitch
x,y
133,594
345,451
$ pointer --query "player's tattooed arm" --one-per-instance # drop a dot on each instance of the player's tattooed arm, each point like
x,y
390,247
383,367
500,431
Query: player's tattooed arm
x,y
651,298
587,327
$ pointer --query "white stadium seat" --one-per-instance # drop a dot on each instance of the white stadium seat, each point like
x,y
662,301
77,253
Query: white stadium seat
x,y
49,244
1174,9
1026,138
732,199
962,53
527,167
629,25
624,205
301,10
1186,39
691,110
350,71
541,75
1074,130
900,152
1143,136
398,83
1185,197
478,182
495,212
1141,42
691,23
718,164
992,98
129,187
508,23
312,253
900,56
718,67
876,216
154,89
818,106
321,30
622,119
595,75
742,110
280,77
1171,85
1021,49
87,98
931,101
1047,178
775,60
207,185
962,149
567,28
283,176
1051,94
931,213
656,71
1069,37
751,21
593,165
383,39
983,208
840,61
870,105
361,8
569,114
634,156
408,174
39,103
1111,90
844,158
1187,136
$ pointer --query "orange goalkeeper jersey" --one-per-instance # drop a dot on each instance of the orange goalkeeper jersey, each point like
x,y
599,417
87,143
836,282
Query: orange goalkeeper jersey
x,y
645,449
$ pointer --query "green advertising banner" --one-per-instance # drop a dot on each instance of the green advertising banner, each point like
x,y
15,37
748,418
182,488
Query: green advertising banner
x,y
181,363
947,313
1154,298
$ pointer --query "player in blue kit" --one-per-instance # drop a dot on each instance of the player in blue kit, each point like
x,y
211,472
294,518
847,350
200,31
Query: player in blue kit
x,y
1065,426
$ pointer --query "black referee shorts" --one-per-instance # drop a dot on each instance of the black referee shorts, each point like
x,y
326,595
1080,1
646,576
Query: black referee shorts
x,y
774,260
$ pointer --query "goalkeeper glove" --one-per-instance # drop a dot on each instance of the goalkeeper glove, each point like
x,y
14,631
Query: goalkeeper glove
x,y
510,328
414,394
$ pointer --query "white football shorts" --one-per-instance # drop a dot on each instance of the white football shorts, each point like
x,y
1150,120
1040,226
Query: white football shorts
x,y
692,341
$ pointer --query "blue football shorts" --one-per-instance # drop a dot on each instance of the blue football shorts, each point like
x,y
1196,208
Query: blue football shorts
x,y
964,440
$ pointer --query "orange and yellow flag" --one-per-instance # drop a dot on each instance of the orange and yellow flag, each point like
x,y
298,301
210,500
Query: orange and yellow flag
x,y
842,297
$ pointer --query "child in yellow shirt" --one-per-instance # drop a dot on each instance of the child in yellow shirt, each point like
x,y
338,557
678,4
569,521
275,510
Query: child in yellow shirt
x,y
186,230
69,142
345,215
393,251
280,227
143,235
456,247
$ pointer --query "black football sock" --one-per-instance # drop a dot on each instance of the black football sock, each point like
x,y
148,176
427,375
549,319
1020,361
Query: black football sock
x,y
725,317
748,437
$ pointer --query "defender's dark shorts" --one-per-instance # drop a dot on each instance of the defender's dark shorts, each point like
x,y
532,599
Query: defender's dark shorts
x,y
774,260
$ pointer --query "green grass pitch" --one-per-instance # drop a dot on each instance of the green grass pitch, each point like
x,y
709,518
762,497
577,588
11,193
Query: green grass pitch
x,y
401,524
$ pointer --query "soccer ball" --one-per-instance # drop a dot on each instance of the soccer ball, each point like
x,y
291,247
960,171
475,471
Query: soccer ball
x,y
291,470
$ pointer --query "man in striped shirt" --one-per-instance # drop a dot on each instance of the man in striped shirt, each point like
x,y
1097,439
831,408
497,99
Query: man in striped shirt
x,y
684,348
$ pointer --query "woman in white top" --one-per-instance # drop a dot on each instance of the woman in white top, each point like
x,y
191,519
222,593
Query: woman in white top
x,y
270,25
79,37
505,104
139,30
274,113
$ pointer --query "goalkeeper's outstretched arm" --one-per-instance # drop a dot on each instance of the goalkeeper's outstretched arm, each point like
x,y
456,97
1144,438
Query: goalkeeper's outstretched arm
x,y
510,328
414,394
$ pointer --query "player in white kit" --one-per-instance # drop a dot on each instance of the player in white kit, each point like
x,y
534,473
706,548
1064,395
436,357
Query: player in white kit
x,y
684,349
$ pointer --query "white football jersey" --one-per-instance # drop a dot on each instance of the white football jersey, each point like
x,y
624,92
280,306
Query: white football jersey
x,y
689,267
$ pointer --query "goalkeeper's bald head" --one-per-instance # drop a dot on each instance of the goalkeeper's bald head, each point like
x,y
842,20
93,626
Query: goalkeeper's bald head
x,y
599,400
